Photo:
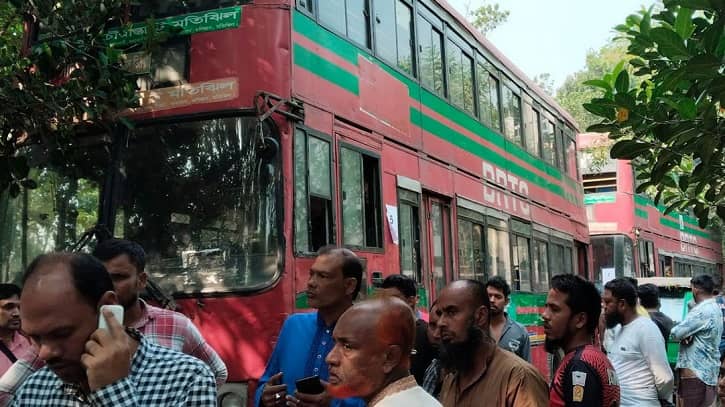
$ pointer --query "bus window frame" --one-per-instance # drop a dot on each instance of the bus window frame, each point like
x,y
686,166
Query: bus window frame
x,y
363,152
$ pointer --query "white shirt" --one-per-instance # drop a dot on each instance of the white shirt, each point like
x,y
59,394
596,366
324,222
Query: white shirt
x,y
637,353
414,396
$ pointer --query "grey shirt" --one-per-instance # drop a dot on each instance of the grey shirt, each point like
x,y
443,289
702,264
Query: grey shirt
x,y
514,338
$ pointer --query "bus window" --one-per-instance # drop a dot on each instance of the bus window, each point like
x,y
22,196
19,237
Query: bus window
x,y
471,250
498,259
360,195
354,25
460,77
203,198
410,260
393,32
431,56
313,193
548,142
488,98
540,272
512,115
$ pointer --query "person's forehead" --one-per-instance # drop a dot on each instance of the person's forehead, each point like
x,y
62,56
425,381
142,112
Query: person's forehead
x,y
13,299
493,290
327,262
354,325
392,291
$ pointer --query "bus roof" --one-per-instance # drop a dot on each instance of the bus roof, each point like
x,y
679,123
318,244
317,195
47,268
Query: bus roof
x,y
507,63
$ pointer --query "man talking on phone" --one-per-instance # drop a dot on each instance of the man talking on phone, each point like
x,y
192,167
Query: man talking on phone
x,y
306,338
61,297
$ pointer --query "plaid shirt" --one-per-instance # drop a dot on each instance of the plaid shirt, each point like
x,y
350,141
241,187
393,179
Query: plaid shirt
x,y
432,382
158,377
175,331
164,327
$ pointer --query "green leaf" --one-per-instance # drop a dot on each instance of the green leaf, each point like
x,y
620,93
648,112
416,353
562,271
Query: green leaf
x,y
645,24
669,43
599,110
687,108
628,149
622,82
602,128
703,66
683,23
598,83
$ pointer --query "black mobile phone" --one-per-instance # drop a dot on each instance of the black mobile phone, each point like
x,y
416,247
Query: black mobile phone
x,y
310,385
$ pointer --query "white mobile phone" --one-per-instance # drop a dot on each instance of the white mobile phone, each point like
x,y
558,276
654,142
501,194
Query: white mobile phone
x,y
117,311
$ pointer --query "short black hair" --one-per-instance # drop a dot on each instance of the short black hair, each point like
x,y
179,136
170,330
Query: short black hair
x,y
8,290
112,248
632,281
649,295
703,282
90,277
500,284
478,289
623,289
404,284
581,296
352,267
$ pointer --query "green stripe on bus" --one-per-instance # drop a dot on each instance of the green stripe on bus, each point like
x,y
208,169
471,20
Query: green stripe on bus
x,y
644,201
326,69
440,130
641,213
591,199
675,225
309,28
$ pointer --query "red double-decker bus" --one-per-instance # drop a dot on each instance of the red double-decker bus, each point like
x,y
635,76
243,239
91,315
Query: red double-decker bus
x,y
630,235
270,128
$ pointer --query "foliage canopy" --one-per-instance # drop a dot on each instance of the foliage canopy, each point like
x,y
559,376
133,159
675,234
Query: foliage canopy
x,y
69,80
671,124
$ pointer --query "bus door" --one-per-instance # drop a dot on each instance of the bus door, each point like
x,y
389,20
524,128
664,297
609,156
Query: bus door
x,y
439,268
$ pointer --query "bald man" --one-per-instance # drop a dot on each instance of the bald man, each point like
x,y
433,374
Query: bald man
x,y
371,357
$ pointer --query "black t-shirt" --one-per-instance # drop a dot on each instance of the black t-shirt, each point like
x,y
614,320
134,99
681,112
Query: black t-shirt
x,y
424,352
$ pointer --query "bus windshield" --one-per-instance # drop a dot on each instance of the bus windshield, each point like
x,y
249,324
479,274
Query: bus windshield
x,y
202,198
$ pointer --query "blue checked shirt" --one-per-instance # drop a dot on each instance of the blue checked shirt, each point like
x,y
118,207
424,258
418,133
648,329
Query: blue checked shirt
x,y
159,377
705,324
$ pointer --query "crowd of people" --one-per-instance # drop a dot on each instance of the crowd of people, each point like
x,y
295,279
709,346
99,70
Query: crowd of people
x,y
382,352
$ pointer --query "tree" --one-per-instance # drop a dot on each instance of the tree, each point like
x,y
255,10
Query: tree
x,y
544,81
486,17
671,124
573,93
69,80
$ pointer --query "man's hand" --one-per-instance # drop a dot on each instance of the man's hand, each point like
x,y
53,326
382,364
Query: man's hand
x,y
310,400
274,393
108,354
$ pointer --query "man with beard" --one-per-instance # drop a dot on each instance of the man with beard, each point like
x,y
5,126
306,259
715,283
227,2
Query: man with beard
x,y
481,373
13,343
371,357
509,334
584,377
636,348
306,338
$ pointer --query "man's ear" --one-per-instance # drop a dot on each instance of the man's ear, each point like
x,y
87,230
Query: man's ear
x,y
580,320
480,317
142,280
108,298
350,285
393,358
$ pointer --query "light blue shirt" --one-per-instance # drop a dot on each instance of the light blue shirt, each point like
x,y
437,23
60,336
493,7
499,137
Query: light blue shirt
x,y
303,344
705,324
